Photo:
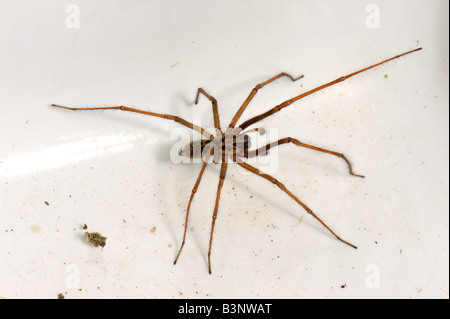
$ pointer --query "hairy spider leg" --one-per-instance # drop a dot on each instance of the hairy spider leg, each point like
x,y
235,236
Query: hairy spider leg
x,y
129,109
253,93
281,106
223,171
264,149
194,190
214,106
256,171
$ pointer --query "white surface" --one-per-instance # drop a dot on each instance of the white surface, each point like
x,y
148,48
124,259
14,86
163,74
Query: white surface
x,y
112,171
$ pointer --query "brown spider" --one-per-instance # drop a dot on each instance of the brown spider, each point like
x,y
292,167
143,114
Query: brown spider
x,y
233,143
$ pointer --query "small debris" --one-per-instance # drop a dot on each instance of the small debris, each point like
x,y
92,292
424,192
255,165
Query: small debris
x,y
343,286
35,229
46,203
85,227
61,296
95,239
385,76
153,229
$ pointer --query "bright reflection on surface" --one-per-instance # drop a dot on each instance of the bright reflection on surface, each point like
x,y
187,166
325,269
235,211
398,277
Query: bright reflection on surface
x,y
67,150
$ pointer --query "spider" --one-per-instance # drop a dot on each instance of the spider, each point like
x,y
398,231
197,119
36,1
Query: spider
x,y
232,144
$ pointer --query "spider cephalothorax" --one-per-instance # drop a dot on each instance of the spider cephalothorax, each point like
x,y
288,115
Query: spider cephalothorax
x,y
233,144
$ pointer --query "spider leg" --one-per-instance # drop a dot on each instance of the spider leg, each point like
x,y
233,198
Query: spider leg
x,y
129,109
281,106
214,106
284,189
263,150
253,93
223,171
194,190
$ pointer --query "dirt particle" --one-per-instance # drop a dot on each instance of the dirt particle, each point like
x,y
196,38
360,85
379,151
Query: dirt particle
x,y
95,239
35,229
